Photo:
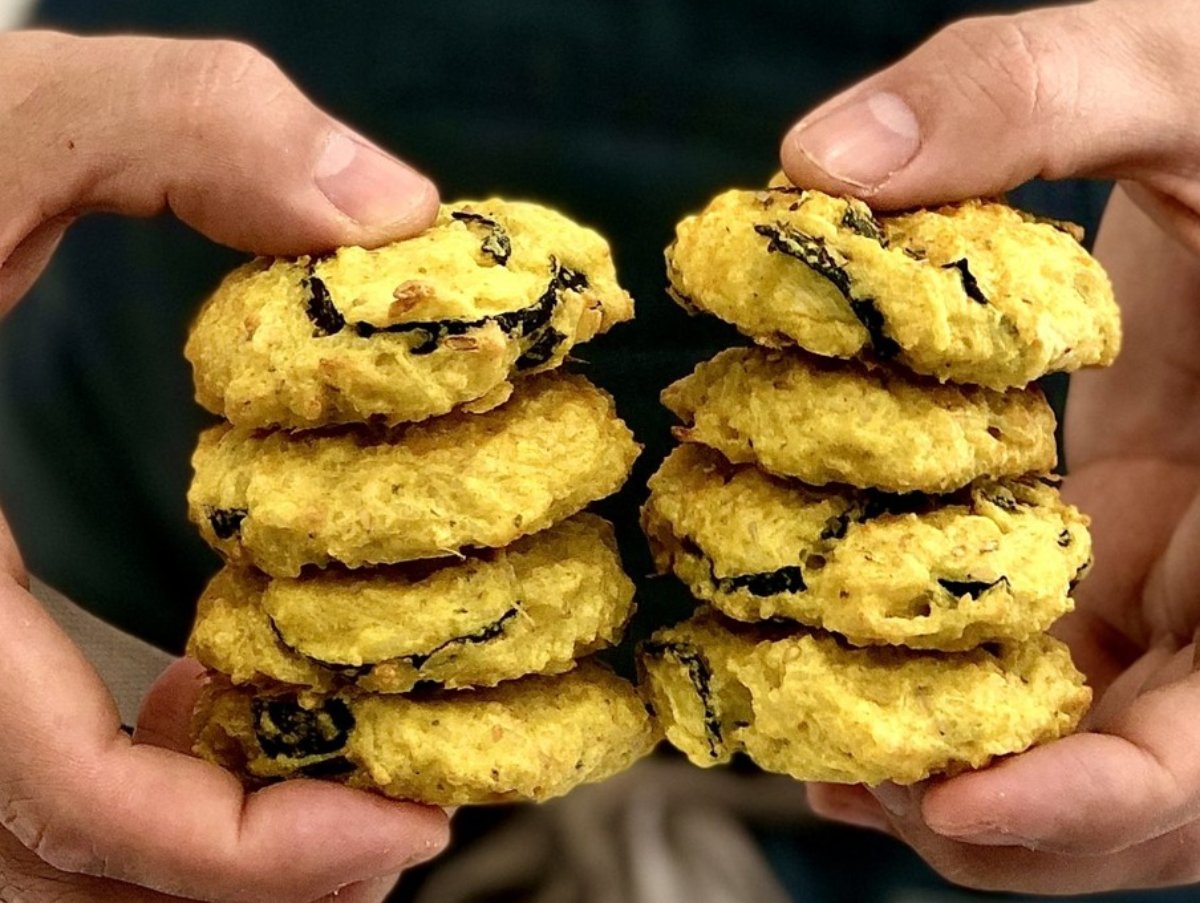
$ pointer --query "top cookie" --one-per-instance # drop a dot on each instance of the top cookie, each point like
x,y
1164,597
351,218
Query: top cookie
x,y
407,331
975,292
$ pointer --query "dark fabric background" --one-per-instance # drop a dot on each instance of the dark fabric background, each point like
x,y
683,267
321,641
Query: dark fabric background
x,y
624,114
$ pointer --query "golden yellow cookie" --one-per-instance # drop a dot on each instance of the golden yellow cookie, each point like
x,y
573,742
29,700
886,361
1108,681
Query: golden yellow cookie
x,y
975,292
409,330
994,561
803,704
357,496
826,421
528,739
531,608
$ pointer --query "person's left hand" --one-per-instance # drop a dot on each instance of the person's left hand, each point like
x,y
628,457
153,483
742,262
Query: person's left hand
x,y
213,132
162,731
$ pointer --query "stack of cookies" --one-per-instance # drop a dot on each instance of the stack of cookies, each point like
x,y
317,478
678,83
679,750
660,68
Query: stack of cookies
x,y
410,583
863,498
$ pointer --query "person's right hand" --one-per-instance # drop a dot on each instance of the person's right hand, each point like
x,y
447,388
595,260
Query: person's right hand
x,y
1108,89
214,133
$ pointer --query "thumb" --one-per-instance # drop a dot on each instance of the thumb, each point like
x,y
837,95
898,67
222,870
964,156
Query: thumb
x,y
211,130
165,717
1134,778
1099,89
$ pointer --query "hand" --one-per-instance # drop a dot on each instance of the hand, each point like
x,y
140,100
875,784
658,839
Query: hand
x,y
1106,89
215,133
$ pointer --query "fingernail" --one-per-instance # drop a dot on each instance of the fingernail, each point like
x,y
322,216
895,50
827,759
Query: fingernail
x,y
367,185
895,799
862,142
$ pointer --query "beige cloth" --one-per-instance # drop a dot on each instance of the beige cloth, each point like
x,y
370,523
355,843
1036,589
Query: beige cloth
x,y
128,665
14,12
662,832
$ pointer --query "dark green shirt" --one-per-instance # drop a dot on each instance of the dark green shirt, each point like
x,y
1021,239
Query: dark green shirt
x,y
624,114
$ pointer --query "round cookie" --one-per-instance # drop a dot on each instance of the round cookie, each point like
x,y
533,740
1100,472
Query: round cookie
x,y
994,561
975,292
805,705
529,739
825,421
531,608
407,331
360,496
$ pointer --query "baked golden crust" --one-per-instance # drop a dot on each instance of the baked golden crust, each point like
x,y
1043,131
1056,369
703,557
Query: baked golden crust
x,y
803,704
825,421
358,497
995,561
531,608
529,739
975,292
492,290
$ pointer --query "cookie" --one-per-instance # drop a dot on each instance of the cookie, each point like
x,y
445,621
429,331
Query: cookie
x,y
494,289
531,608
360,496
975,292
529,739
994,561
825,421
803,704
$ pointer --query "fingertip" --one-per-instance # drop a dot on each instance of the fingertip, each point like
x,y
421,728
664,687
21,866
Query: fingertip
x,y
900,801
373,834
383,197
852,146
823,799
165,717
425,828
962,802
850,804
1037,799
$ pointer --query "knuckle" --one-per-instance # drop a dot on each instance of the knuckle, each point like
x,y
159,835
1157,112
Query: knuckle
x,y
27,86
66,850
1020,65
234,63
222,78
1022,69
57,841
